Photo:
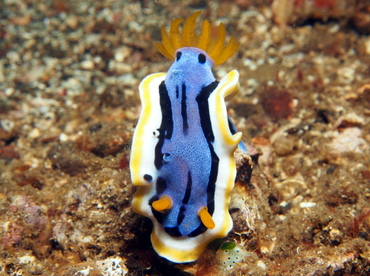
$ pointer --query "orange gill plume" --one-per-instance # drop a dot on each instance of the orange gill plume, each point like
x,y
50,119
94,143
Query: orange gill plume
x,y
214,47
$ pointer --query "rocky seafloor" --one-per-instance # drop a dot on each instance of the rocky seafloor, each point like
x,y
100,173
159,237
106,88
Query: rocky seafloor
x,y
69,103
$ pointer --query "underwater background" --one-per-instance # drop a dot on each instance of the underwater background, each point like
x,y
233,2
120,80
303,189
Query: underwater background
x,y
69,103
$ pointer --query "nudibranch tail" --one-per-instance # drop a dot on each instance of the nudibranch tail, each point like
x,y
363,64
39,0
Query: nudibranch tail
x,y
215,48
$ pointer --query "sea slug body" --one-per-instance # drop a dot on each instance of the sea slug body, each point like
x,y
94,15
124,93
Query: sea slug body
x,y
183,145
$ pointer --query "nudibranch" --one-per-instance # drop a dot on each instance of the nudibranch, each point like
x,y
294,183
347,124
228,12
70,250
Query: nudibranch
x,y
182,150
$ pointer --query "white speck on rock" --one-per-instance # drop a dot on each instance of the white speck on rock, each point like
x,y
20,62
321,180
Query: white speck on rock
x,y
347,74
87,65
26,259
113,266
84,271
261,264
122,53
348,141
307,204
6,125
